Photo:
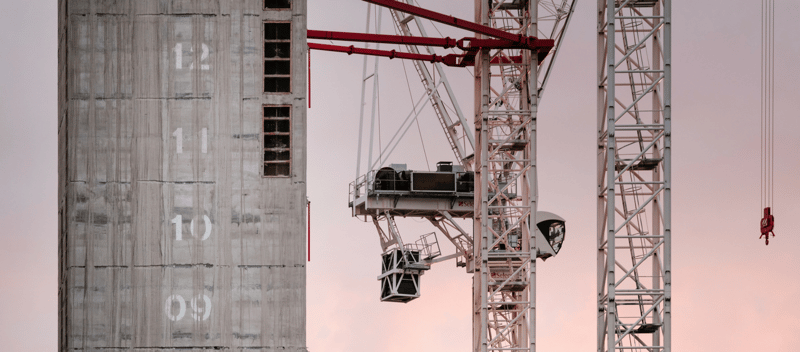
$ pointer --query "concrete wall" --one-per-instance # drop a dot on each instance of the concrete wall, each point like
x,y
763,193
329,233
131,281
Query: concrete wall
x,y
160,249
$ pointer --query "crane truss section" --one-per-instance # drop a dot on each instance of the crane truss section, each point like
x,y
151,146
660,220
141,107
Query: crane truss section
x,y
457,132
554,17
502,253
507,95
504,305
633,175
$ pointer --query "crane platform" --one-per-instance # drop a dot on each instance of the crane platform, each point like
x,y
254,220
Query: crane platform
x,y
424,194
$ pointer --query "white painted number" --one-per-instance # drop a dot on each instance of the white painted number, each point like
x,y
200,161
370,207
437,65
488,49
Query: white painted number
x,y
181,307
198,313
201,313
204,140
207,232
178,221
179,140
179,56
203,57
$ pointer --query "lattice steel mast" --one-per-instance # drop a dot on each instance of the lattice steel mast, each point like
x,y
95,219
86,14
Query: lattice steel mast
x,y
506,98
633,175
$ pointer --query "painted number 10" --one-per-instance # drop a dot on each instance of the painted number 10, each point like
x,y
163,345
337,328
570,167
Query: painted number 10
x,y
178,221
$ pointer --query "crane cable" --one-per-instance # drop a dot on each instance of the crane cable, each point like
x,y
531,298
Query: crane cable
x,y
767,102
414,109
767,117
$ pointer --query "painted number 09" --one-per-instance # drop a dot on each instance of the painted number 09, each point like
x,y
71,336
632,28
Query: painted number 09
x,y
198,313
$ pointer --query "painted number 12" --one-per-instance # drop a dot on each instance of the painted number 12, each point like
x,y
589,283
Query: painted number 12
x,y
179,57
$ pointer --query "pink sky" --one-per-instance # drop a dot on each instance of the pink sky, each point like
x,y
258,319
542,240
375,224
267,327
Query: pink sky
x,y
730,292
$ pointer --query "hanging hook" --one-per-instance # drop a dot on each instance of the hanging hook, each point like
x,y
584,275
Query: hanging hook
x,y
767,224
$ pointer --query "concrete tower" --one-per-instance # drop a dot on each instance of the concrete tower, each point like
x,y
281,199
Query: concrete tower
x,y
182,175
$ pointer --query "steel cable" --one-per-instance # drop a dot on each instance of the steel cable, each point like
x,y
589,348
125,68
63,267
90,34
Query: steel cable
x,y
767,103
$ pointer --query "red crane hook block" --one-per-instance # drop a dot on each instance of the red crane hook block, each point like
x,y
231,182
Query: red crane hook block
x,y
767,224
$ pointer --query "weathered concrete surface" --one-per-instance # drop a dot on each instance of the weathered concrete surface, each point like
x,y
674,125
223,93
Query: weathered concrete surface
x,y
131,73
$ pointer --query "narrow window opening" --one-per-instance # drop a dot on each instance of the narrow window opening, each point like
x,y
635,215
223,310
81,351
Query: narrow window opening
x,y
277,141
277,57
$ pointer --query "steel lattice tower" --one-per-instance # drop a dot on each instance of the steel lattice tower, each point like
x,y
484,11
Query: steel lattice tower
x,y
502,250
633,175
506,97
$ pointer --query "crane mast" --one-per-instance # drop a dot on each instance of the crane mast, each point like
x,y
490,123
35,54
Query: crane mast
x,y
500,191
633,175
506,97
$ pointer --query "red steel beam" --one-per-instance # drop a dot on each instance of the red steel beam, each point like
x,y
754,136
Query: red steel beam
x,y
382,38
463,60
450,20
534,44
449,60
465,44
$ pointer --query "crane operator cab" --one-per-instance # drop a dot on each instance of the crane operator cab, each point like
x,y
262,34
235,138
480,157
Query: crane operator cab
x,y
550,232
549,235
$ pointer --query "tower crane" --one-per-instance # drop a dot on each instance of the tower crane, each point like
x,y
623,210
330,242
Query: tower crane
x,y
513,54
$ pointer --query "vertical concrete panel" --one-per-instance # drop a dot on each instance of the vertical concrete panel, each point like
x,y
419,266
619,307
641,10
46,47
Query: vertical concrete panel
x,y
170,236
221,139
146,56
76,306
148,226
251,60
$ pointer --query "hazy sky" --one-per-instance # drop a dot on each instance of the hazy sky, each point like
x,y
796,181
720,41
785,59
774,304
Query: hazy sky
x,y
730,292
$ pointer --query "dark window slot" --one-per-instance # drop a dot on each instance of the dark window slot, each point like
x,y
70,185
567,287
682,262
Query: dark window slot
x,y
274,67
276,50
276,141
276,111
279,31
276,169
277,4
273,126
271,155
276,84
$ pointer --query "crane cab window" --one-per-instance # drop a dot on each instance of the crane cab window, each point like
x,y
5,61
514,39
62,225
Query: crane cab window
x,y
277,141
277,57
